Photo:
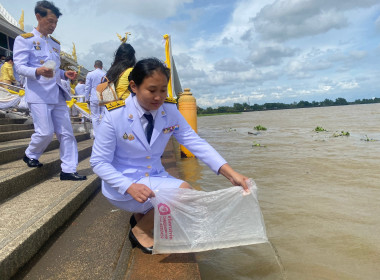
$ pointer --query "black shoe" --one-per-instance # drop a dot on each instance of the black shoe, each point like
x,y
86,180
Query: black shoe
x,y
132,221
32,162
136,243
72,176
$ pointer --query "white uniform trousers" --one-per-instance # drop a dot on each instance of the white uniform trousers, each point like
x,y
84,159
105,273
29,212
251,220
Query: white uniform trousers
x,y
96,112
49,119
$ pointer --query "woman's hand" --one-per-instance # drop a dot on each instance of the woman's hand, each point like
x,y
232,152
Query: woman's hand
x,y
140,192
234,177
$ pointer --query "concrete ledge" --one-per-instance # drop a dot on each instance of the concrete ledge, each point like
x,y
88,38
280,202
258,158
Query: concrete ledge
x,y
14,135
17,176
21,245
94,244
15,150
12,121
15,127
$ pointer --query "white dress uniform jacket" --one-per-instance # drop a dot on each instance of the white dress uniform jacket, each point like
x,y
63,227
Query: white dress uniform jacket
x,y
46,97
31,53
122,156
93,79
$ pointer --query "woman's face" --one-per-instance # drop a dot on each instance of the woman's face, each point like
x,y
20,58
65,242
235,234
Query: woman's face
x,y
152,93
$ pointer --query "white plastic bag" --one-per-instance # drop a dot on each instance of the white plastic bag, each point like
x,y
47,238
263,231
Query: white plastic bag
x,y
51,65
192,221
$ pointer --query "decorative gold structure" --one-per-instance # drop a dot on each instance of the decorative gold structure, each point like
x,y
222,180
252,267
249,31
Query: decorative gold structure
x,y
124,39
21,21
74,53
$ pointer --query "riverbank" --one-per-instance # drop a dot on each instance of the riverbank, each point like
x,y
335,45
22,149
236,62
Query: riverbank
x,y
94,245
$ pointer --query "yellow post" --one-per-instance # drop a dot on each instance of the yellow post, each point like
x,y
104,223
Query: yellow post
x,y
188,107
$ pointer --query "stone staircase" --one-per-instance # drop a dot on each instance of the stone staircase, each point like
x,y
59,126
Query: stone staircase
x,y
34,203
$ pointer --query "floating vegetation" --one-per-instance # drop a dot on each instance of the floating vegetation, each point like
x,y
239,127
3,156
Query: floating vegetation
x,y
367,139
342,133
260,127
257,145
230,129
319,129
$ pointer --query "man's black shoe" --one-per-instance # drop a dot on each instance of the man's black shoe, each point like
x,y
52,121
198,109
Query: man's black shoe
x,y
32,162
72,176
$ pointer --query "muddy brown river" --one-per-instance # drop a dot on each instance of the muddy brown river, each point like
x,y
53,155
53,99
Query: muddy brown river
x,y
319,192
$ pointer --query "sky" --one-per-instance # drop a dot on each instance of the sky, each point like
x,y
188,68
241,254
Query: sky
x,y
234,51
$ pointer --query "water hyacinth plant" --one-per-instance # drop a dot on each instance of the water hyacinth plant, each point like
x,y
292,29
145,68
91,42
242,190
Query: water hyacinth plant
x,y
260,127
257,145
319,129
342,133
367,139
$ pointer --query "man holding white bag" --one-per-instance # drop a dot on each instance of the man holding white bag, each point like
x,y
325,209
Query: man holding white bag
x,y
37,57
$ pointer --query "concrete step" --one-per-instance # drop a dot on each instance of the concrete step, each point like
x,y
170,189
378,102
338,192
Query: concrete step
x,y
15,127
15,150
94,244
30,218
14,135
11,121
16,176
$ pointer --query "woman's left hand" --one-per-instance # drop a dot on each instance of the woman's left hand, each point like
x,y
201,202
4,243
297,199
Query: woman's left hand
x,y
234,177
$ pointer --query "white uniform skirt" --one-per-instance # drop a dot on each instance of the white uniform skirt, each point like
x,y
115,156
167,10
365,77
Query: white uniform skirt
x,y
155,184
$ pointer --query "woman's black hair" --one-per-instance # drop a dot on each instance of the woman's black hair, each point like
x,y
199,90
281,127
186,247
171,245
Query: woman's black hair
x,y
42,8
124,59
145,68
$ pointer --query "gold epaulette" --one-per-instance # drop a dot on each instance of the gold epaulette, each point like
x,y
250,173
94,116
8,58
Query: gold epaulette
x,y
55,40
115,104
170,100
27,35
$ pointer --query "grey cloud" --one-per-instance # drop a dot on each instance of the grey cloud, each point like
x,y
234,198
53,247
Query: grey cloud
x,y
270,55
231,65
103,51
144,8
287,19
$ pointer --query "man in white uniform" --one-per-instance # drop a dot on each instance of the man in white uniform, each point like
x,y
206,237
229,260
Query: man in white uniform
x,y
44,93
80,87
93,79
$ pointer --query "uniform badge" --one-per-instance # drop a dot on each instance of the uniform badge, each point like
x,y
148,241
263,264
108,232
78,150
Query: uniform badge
x,y
54,49
42,61
36,46
130,137
171,128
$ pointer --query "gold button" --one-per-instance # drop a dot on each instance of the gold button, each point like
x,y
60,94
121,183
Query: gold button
x,y
148,157
130,116
149,166
146,174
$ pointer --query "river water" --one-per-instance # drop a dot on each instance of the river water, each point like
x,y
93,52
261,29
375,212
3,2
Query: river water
x,y
319,194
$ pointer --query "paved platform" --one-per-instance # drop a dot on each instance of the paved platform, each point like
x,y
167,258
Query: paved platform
x,y
94,245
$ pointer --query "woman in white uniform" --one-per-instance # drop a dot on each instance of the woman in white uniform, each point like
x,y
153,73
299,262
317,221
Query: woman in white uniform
x,y
132,138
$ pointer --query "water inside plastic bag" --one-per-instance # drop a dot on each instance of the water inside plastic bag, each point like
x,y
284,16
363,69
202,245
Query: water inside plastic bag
x,y
188,220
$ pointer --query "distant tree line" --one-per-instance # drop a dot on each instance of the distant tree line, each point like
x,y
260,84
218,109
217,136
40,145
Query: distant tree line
x,y
245,107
